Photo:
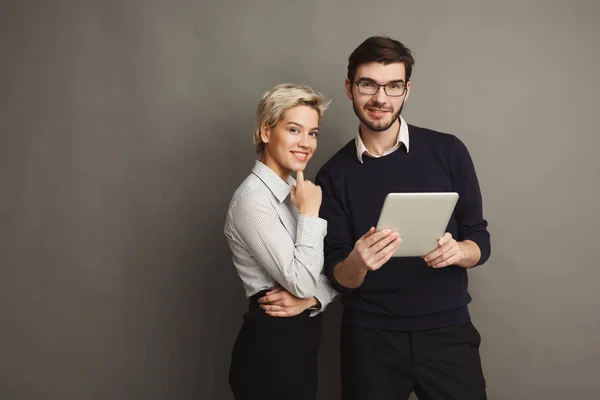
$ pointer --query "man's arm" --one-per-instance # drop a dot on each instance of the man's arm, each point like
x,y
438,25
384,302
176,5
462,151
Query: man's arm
x,y
471,254
338,240
370,252
472,227
472,246
348,275
465,254
347,261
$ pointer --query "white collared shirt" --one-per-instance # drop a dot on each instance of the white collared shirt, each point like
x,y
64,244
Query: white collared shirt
x,y
272,244
402,139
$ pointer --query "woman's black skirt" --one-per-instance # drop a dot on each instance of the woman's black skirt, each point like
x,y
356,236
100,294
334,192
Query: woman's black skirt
x,y
275,357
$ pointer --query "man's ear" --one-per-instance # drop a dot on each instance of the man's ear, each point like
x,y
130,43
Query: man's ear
x,y
407,91
348,87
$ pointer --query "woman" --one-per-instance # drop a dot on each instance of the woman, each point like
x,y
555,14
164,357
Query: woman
x,y
276,238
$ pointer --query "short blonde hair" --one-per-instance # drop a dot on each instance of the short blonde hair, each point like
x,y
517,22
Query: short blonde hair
x,y
281,98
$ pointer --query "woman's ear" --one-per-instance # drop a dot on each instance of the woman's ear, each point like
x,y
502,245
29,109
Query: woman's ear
x,y
265,132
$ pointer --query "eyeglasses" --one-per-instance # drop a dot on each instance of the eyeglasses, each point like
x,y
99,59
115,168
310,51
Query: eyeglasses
x,y
371,88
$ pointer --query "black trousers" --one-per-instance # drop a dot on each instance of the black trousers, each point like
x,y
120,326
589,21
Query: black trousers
x,y
437,364
275,357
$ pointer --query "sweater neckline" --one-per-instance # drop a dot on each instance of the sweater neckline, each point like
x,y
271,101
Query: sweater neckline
x,y
383,159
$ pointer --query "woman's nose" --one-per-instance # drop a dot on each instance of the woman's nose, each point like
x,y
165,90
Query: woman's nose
x,y
303,142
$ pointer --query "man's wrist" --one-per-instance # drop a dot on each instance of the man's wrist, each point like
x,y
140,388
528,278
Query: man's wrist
x,y
471,254
349,274
354,267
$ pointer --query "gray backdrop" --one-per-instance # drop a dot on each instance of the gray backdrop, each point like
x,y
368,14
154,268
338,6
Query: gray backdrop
x,y
126,126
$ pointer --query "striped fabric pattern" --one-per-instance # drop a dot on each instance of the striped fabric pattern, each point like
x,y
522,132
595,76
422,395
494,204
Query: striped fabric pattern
x,y
271,243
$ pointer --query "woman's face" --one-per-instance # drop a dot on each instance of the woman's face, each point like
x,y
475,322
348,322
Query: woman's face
x,y
291,143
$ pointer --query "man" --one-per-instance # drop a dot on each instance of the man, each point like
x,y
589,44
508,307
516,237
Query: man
x,y
405,327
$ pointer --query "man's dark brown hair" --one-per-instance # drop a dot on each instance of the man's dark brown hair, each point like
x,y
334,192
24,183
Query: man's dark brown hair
x,y
380,49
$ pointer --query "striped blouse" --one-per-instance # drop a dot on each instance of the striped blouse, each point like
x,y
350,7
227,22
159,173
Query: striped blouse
x,y
272,244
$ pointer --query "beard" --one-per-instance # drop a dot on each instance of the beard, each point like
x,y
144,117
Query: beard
x,y
376,126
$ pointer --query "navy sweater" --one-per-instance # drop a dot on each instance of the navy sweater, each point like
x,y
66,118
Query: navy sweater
x,y
405,293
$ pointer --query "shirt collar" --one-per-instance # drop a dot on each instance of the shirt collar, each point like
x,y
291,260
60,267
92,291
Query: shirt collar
x,y
402,138
276,185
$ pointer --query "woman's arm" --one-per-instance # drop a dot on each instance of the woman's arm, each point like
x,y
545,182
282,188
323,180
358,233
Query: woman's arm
x,y
295,265
281,303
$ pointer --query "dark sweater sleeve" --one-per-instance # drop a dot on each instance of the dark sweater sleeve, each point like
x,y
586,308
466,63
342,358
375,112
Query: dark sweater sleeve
x,y
338,241
469,211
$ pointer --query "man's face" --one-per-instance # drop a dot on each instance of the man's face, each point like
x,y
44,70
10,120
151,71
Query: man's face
x,y
378,112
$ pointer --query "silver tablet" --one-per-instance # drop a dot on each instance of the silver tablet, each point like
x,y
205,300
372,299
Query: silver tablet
x,y
420,218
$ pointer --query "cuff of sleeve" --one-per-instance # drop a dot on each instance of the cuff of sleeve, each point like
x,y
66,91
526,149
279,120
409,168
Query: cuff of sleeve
x,y
311,230
483,242
316,310
325,294
334,283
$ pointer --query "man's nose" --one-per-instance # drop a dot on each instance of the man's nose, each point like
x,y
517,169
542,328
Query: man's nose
x,y
380,97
